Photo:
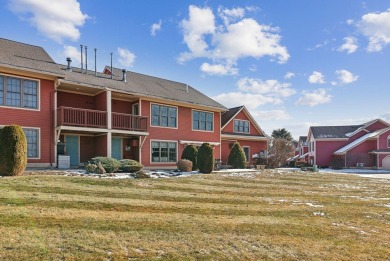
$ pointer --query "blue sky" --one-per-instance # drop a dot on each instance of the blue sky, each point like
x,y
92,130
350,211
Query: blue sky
x,y
293,64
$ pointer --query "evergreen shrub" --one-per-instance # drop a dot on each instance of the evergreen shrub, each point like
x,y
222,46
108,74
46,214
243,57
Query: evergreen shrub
x,y
190,152
110,165
128,165
205,158
237,157
13,151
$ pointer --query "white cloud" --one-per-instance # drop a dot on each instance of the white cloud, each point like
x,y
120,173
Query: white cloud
x,y
73,53
253,68
126,58
316,97
218,69
252,101
155,28
376,26
271,88
349,21
238,37
289,75
55,19
350,45
346,77
316,78
201,22
276,115
230,15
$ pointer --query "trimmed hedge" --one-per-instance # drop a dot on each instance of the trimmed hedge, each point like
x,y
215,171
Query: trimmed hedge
x,y
237,157
190,153
206,158
184,165
110,165
13,151
129,165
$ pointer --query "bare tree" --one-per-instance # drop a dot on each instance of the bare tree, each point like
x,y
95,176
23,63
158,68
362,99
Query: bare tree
x,y
280,150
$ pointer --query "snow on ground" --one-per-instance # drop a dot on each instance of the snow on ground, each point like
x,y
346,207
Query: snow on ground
x,y
366,173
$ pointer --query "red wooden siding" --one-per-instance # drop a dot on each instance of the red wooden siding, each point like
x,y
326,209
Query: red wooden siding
x,y
183,132
43,119
383,140
360,154
101,145
87,148
324,151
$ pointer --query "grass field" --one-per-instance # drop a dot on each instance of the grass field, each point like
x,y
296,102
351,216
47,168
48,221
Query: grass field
x,y
271,215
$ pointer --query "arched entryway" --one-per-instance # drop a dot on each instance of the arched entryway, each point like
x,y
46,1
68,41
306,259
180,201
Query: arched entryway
x,y
386,163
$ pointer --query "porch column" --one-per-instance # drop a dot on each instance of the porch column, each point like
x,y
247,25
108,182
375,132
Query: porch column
x,y
109,110
109,144
109,123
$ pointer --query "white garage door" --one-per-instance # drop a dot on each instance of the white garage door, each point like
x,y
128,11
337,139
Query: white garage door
x,y
386,163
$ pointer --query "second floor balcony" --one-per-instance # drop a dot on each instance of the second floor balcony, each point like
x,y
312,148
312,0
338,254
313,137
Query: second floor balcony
x,y
77,117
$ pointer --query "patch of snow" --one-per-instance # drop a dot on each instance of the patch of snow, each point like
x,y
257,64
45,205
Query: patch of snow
x,y
314,205
321,214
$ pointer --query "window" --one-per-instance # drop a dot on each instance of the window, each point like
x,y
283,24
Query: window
x,y
32,136
241,126
16,92
164,116
388,141
202,120
246,151
163,151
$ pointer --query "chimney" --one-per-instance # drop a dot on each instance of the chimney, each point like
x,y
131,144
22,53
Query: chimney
x,y
69,62
124,75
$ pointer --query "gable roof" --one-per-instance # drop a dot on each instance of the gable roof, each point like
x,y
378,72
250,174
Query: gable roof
x,y
358,141
302,139
23,56
229,115
365,125
142,85
333,132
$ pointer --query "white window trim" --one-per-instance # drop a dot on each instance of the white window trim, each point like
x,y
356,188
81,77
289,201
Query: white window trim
x,y
38,93
249,152
166,105
192,120
388,141
249,126
39,140
165,163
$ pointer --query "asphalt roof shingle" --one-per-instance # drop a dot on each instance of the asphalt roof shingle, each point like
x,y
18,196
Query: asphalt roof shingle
x,y
229,114
143,85
333,132
27,57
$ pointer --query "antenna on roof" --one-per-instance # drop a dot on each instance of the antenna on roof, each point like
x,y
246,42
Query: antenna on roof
x,y
86,60
111,66
81,46
95,62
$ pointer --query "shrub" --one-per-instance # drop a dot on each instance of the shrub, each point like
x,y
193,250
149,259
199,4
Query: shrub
x,y
140,175
205,158
337,164
237,157
91,168
129,165
13,151
109,164
184,165
191,153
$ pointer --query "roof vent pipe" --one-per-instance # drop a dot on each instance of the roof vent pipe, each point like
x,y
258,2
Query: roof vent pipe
x,y
187,88
81,47
86,60
124,75
68,68
111,66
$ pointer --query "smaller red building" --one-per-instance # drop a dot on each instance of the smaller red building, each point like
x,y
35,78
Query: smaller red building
x,y
366,145
239,126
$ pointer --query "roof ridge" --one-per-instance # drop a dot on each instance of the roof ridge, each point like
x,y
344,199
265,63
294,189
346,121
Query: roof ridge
x,y
9,40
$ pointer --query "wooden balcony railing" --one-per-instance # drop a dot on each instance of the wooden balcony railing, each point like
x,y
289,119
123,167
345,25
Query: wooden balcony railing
x,y
129,122
81,117
98,119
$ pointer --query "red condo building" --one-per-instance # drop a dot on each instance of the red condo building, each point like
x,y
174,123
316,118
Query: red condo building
x,y
116,113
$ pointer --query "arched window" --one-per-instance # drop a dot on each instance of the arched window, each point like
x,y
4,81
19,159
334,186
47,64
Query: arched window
x,y
388,141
